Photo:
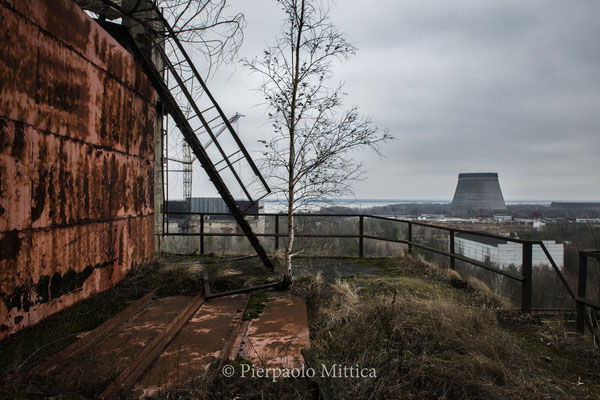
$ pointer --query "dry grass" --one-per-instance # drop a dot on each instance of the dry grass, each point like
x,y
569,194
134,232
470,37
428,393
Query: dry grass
x,y
478,292
429,344
427,331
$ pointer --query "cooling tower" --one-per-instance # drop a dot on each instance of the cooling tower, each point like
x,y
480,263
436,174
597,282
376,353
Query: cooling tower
x,y
476,193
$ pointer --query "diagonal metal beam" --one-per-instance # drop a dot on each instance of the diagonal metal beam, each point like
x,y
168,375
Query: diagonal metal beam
x,y
190,137
174,109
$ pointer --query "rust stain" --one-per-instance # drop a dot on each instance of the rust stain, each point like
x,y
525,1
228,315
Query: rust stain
x,y
68,23
17,67
143,121
15,248
75,169
44,174
18,144
199,343
142,85
15,164
48,288
99,45
115,116
275,339
63,91
10,245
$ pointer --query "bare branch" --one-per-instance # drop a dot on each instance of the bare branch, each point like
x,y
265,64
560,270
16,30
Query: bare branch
x,y
308,157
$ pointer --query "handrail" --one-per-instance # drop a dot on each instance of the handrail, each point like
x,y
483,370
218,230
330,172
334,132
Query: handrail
x,y
453,255
525,278
413,222
556,269
580,300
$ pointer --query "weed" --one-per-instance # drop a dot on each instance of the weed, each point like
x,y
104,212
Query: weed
x,y
429,337
256,305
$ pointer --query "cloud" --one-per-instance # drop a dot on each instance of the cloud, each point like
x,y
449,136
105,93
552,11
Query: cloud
x,y
501,85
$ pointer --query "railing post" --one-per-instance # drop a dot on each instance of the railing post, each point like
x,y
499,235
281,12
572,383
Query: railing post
x,y
452,260
276,232
201,233
581,291
361,232
526,273
409,237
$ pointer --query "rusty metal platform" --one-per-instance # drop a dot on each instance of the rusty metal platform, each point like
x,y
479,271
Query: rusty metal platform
x,y
162,343
276,337
99,365
196,347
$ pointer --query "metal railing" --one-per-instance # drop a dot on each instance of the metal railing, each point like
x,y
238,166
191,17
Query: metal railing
x,y
582,277
524,277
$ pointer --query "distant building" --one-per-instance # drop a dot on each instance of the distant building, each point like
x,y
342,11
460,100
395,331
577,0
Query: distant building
x,y
587,220
504,253
502,218
539,225
180,221
575,206
477,194
176,209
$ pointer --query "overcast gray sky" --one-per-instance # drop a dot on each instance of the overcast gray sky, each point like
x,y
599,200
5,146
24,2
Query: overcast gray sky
x,y
465,86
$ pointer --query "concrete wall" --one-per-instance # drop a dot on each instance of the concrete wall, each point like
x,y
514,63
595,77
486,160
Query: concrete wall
x,y
76,160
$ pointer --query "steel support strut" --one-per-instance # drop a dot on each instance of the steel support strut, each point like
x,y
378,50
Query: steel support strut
x,y
182,122
205,161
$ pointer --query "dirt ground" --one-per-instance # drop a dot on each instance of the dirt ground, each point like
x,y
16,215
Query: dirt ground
x,y
434,333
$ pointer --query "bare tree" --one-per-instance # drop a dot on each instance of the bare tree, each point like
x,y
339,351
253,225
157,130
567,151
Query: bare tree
x,y
203,25
309,155
206,26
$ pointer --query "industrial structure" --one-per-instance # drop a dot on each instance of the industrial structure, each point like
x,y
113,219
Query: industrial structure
x,y
77,160
477,194
178,210
86,106
504,253
575,206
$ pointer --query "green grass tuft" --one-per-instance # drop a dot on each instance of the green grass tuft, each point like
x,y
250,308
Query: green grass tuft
x,y
256,305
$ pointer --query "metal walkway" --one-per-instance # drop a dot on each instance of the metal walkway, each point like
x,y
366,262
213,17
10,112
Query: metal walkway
x,y
159,344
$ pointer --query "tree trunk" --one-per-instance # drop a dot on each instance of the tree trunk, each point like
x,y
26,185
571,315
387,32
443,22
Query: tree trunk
x,y
292,157
290,240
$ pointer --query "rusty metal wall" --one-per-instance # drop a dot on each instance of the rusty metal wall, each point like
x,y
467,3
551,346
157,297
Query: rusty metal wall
x,y
76,160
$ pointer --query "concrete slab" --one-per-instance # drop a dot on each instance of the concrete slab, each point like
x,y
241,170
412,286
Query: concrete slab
x,y
276,337
200,343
